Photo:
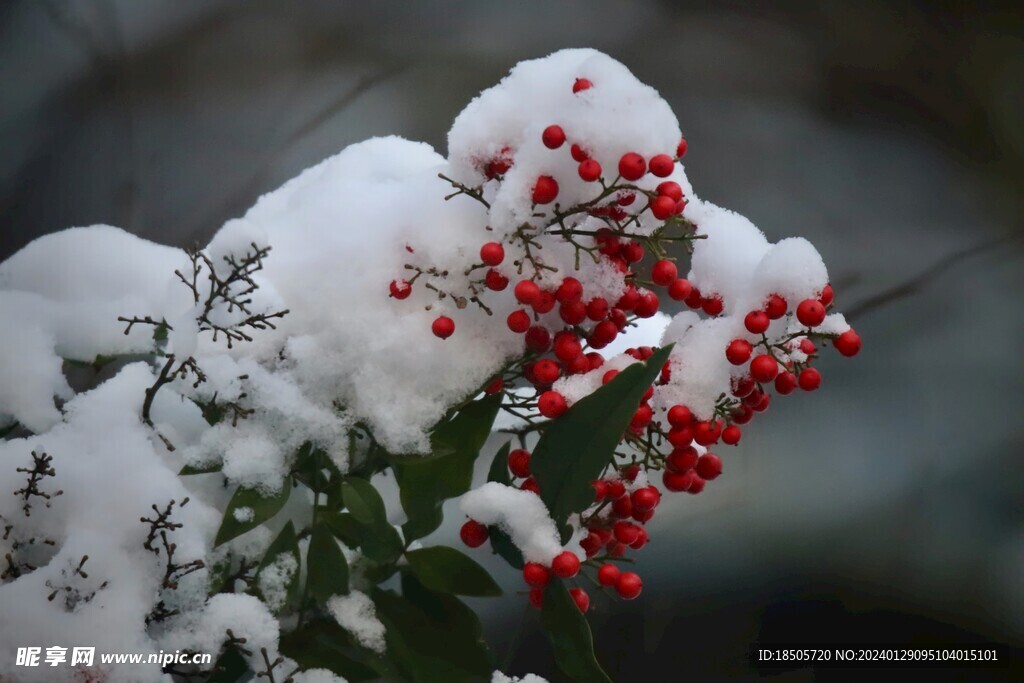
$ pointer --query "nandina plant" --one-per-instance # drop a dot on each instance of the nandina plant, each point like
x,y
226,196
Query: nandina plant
x,y
380,319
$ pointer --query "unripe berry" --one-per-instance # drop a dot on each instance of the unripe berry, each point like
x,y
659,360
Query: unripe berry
x,y
848,343
589,170
519,463
679,416
581,84
664,272
545,191
400,289
518,321
738,351
580,597
495,281
553,137
712,305
632,166
544,302
565,565
682,459
492,253
629,585
785,383
578,153
662,165
732,434
546,372
670,189
756,322
608,575
810,312
809,379
681,149
526,292
708,466
536,575
626,532
648,305
679,289
827,295
764,368
538,339
663,208
775,307
443,327
551,404
473,533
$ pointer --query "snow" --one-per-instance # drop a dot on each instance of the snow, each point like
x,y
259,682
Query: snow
x,y
356,614
274,578
519,513
528,678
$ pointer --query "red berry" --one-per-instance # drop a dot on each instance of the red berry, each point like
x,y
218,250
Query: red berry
x,y
708,467
807,346
706,433
536,575
473,533
694,298
567,346
545,191
551,404
626,198
756,322
731,434
492,253
712,305
648,304
617,316
764,368
664,272
443,327
696,483
608,575
626,532
628,585
775,307
646,498
578,153
633,252
518,321
565,565
553,137
495,281
569,290
595,360
682,459
785,383
663,208
629,298
519,463
400,289
679,289
671,189
603,334
810,312
581,84
600,490
622,506
642,417
827,295
497,167
495,386
679,416
848,343
632,166
743,415
591,544
609,376
616,489
589,170
580,597
544,302
662,165
675,481
743,386
680,436
536,597
809,379
597,308
530,485
738,351
546,371
681,149
538,339
642,539
526,292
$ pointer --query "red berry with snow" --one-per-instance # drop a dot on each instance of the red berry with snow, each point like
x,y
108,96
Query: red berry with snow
x,y
582,84
400,289
495,281
848,343
578,153
632,166
712,305
473,533
565,565
443,327
553,137
681,149
551,404
810,312
545,191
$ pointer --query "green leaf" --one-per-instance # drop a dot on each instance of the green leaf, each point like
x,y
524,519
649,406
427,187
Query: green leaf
x,y
285,543
314,468
262,508
447,570
569,633
574,449
374,535
501,543
230,667
362,500
426,483
434,637
188,470
322,644
327,569
499,466
9,429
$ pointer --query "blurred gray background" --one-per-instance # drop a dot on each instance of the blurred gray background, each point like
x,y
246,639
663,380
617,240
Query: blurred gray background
x,y
886,507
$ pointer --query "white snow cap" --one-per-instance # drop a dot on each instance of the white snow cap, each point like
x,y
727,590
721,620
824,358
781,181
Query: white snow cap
x,y
521,514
